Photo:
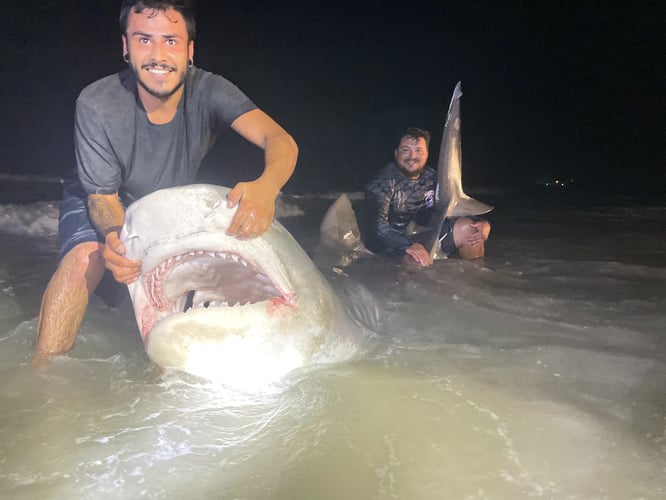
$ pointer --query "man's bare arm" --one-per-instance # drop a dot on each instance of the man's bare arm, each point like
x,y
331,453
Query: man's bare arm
x,y
256,199
107,215
106,212
280,149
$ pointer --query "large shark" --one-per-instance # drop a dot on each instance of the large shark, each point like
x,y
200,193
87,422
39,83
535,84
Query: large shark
x,y
227,309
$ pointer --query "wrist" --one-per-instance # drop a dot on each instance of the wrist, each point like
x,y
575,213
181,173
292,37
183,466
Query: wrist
x,y
270,183
112,229
112,236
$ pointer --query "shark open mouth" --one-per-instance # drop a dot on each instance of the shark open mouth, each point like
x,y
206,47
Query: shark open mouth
x,y
204,279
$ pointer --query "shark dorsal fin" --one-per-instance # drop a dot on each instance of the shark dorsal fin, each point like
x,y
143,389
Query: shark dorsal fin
x,y
450,199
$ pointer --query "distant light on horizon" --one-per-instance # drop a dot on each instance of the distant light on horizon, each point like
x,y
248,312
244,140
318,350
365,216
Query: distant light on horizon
x,y
560,183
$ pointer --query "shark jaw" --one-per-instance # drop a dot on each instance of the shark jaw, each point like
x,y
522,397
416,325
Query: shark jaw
x,y
225,309
198,279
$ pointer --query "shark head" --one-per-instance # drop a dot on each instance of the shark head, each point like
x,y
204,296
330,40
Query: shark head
x,y
223,308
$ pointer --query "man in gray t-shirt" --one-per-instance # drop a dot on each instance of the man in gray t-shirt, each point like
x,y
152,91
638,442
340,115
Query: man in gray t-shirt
x,y
133,156
144,129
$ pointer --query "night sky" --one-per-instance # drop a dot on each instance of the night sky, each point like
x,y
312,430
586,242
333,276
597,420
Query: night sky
x,y
566,88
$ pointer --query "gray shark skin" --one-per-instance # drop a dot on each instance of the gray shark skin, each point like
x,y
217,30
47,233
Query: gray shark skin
x,y
223,308
450,199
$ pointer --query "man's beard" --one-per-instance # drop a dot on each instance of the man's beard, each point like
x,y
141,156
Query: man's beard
x,y
412,174
162,94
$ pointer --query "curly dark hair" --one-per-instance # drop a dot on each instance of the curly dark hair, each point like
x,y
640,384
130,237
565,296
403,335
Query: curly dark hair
x,y
184,7
412,133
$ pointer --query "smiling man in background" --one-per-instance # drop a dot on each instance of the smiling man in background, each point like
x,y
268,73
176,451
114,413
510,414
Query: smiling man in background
x,y
143,129
403,192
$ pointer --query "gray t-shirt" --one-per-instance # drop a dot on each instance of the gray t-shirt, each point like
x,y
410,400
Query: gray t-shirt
x,y
118,149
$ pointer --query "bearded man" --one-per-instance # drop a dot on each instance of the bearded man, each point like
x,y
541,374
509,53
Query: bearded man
x,y
143,129
402,194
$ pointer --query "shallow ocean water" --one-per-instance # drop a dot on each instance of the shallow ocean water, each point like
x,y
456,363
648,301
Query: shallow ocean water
x,y
536,372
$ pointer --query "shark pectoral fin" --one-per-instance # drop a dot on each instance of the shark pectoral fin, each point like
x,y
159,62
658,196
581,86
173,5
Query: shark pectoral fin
x,y
466,206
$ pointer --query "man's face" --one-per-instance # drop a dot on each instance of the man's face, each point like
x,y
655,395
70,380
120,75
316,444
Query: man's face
x,y
159,50
411,156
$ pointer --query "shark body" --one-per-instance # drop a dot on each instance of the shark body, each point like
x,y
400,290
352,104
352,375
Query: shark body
x,y
226,309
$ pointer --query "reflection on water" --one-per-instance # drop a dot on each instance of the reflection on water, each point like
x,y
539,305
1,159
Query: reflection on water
x,y
520,376
413,421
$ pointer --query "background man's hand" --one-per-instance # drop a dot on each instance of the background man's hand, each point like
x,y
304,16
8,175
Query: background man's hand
x,y
479,233
256,208
124,270
418,252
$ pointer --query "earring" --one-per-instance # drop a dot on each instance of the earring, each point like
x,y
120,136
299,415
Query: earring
x,y
126,57
190,63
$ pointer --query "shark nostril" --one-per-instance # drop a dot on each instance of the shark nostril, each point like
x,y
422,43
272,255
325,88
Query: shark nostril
x,y
189,301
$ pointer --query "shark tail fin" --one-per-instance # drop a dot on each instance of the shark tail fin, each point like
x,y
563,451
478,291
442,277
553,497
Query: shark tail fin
x,y
339,228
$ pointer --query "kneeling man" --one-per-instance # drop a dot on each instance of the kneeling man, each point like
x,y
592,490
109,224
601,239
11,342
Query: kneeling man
x,y
402,194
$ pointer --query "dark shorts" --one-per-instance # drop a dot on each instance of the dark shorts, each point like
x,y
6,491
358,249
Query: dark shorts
x,y
447,244
74,226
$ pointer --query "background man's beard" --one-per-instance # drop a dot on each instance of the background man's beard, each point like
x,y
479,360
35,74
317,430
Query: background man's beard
x,y
411,173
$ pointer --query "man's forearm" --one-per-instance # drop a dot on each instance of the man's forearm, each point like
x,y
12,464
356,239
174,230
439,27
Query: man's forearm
x,y
106,212
280,149
281,153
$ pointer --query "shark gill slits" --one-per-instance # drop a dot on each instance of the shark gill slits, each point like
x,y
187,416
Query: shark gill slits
x,y
189,301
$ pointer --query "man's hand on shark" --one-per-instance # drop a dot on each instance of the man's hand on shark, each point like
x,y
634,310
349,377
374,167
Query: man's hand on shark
x,y
124,270
418,253
256,208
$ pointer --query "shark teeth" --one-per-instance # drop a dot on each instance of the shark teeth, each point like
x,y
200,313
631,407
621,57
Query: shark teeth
x,y
246,285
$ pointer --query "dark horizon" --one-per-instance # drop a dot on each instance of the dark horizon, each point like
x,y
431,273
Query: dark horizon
x,y
571,90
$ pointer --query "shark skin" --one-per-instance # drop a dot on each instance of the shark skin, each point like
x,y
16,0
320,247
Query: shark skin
x,y
222,308
450,199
